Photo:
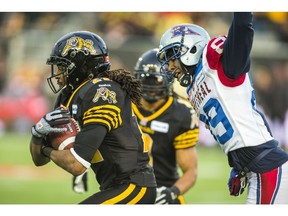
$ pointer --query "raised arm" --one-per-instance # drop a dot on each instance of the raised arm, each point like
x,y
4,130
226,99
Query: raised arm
x,y
237,47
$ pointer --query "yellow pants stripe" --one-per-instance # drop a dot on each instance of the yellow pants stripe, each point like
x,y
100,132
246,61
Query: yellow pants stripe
x,y
121,196
139,196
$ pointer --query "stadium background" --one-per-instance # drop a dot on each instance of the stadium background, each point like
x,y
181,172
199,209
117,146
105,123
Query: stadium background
x,y
25,44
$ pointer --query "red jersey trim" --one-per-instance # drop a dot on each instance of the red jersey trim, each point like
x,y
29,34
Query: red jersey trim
x,y
213,56
228,81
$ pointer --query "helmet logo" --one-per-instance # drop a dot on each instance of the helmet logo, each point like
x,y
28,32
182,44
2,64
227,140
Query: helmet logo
x,y
106,95
182,30
79,44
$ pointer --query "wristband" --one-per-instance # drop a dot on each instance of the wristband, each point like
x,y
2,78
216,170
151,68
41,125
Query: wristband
x,y
46,151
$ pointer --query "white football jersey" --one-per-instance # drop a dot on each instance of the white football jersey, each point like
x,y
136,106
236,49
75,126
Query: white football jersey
x,y
226,106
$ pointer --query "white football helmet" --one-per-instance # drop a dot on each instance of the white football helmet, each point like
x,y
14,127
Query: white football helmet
x,y
184,42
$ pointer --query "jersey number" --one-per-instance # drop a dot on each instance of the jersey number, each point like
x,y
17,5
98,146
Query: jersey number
x,y
217,44
220,126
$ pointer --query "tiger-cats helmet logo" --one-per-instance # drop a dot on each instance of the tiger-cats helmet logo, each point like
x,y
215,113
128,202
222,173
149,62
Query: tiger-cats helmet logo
x,y
106,95
79,45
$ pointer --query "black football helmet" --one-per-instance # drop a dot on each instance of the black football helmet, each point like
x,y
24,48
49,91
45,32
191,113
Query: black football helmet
x,y
77,56
155,85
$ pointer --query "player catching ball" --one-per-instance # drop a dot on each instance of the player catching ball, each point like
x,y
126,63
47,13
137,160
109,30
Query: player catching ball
x,y
216,75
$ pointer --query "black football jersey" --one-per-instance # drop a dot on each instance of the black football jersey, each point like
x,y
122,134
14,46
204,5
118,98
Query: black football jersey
x,y
121,156
173,126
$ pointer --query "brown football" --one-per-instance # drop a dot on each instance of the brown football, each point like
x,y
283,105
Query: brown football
x,y
64,140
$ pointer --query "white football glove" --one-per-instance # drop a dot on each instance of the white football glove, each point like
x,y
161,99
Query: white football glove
x,y
80,183
51,119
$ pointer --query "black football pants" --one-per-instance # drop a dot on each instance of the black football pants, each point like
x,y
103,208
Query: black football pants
x,y
123,194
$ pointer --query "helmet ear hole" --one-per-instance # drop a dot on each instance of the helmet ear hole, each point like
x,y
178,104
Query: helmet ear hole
x,y
187,59
193,50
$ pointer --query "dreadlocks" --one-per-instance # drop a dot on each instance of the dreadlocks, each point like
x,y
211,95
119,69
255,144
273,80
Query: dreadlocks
x,y
127,81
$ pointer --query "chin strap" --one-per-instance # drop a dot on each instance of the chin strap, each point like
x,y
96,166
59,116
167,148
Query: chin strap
x,y
190,71
187,77
186,80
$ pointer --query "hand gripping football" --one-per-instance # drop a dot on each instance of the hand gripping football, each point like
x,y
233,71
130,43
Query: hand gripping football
x,y
64,140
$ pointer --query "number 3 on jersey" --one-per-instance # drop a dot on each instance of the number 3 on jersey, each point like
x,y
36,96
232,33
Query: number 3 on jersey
x,y
220,126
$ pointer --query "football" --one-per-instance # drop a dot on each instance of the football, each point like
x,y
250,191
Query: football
x,y
64,140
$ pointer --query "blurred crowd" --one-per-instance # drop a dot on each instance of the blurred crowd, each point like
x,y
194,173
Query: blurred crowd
x,y
27,39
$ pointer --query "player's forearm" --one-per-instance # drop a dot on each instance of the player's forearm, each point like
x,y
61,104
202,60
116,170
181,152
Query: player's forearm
x,y
186,181
238,45
65,160
35,150
243,18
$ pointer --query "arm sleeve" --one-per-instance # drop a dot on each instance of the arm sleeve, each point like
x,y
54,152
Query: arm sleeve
x,y
89,140
237,47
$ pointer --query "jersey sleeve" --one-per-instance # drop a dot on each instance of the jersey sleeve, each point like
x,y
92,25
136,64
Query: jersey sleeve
x,y
190,130
214,57
101,113
238,45
102,105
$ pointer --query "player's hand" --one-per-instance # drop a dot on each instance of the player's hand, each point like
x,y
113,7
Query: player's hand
x,y
236,184
80,183
166,195
51,119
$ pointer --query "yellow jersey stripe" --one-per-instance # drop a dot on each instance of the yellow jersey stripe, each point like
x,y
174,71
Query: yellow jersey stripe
x,y
109,115
76,90
112,109
184,146
186,141
112,121
98,121
104,112
189,134
154,115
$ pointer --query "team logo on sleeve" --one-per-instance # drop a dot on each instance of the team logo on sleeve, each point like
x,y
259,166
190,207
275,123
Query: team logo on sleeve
x,y
79,45
106,95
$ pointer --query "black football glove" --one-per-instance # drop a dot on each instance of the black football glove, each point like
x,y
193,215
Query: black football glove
x,y
236,183
166,195
51,119
80,183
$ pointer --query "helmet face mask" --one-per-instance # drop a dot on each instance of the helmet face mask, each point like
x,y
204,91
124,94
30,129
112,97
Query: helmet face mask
x,y
155,85
83,53
172,51
59,73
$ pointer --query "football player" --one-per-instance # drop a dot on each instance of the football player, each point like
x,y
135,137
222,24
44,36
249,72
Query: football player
x,y
216,75
170,128
110,141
